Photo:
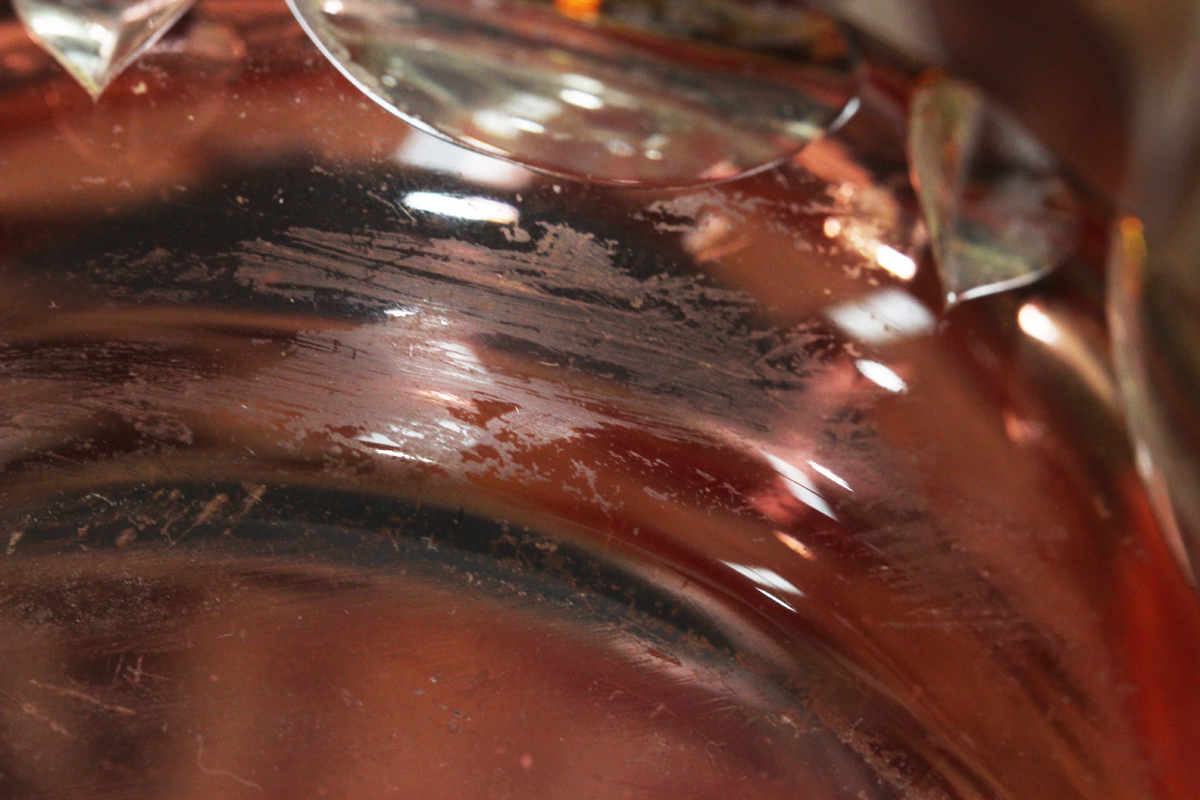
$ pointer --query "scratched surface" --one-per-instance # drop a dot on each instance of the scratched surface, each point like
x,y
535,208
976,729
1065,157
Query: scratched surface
x,y
694,493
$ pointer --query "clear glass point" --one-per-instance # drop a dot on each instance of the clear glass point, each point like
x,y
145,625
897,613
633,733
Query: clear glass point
x,y
95,40
1000,214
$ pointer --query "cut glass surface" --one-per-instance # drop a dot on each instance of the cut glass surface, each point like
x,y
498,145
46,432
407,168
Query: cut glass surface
x,y
624,92
999,212
95,40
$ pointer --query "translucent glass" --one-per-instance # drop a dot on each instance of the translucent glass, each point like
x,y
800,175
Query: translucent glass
x,y
1153,299
633,92
1001,213
338,461
95,40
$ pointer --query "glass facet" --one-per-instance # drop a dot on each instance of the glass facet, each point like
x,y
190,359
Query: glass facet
x,y
95,40
639,92
1000,212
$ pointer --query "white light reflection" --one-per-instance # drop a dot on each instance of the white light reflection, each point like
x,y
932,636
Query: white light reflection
x,y
390,447
495,122
429,152
505,125
656,141
619,148
460,354
402,312
880,375
800,485
581,99
883,316
1037,324
768,595
582,83
105,40
532,106
1066,339
895,262
828,473
49,25
767,578
802,129
527,125
332,6
476,209
446,398
848,112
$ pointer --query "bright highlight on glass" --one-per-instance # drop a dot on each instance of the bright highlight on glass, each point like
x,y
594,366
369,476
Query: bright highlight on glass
x,y
429,152
1037,324
767,578
882,317
830,474
772,597
895,262
582,99
800,486
475,209
880,375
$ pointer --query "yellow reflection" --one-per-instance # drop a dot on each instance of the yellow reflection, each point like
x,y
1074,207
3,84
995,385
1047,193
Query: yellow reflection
x,y
585,10
795,545
1133,235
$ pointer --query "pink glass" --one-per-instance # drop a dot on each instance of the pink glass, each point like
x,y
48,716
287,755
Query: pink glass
x,y
338,463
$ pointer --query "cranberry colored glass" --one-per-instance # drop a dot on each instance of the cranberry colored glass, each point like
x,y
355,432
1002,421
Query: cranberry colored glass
x,y
337,461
